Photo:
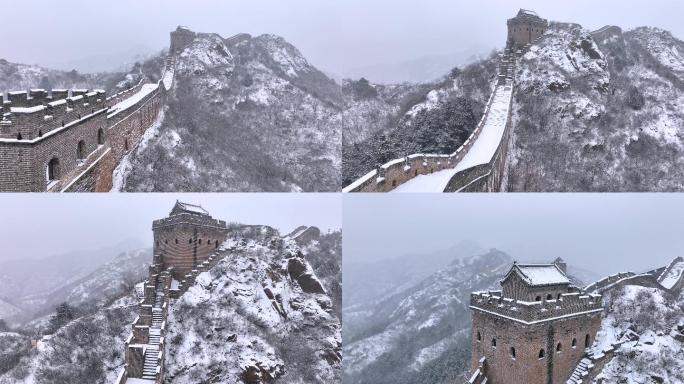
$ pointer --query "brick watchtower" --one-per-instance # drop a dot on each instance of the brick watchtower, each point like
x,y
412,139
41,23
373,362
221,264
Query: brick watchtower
x,y
525,28
181,38
186,238
535,330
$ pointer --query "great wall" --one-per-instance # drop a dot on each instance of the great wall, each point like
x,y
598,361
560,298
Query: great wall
x,y
186,243
73,140
478,165
534,309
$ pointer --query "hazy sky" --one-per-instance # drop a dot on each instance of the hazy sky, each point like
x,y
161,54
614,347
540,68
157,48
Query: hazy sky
x,y
334,35
42,225
605,233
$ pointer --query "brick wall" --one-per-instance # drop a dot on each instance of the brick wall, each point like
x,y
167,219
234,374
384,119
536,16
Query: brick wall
x,y
527,367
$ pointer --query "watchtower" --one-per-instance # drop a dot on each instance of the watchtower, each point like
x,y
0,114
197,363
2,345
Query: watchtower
x,y
186,238
524,28
535,330
181,38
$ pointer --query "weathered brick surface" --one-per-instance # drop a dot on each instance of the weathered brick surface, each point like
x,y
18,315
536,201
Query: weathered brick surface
x,y
54,131
528,341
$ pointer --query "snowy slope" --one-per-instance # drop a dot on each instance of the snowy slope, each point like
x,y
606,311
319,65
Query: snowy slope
x,y
261,315
656,355
421,334
602,115
248,114
86,350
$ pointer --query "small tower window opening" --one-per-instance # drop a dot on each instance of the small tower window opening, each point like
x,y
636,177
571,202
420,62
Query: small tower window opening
x,y
479,336
216,244
80,150
100,136
189,241
538,298
415,173
157,243
394,183
493,343
558,297
126,145
166,241
176,240
587,341
574,343
200,241
541,353
40,133
513,352
52,169
549,297
559,347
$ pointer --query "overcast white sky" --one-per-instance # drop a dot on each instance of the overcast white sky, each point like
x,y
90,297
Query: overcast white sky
x,y
601,232
43,225
334,35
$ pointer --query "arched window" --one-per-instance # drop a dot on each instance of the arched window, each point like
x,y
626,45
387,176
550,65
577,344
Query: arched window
x,y
493,343
541,353
559,296
40,133
166,241
559,347
479,336
549,297
19,136
100,136
200,241
538,298
176,240
574,343
53,169
80,150
513,352
189,241
587,341
216,244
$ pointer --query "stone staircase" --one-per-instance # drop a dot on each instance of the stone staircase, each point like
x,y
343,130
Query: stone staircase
x,y
153,346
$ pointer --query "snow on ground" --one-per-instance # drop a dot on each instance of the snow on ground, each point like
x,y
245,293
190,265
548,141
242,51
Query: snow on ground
x,y
145,90
673,275
124,168
481,152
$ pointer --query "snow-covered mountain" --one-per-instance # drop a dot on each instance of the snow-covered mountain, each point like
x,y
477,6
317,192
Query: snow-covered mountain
x,y
261,315
36,286
421,334
599,112
86,350
21,77
250,114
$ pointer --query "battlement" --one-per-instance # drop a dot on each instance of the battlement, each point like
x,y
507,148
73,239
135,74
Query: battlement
x,y
565,305
30,115
189,219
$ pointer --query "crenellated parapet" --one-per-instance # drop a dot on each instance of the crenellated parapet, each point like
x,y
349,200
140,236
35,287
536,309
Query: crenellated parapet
x,y
31,115
530,312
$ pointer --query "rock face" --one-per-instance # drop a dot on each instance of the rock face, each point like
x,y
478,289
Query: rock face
x,y
259,316
599,112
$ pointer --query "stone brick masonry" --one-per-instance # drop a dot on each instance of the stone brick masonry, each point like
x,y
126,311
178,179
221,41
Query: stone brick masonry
x,y
71,141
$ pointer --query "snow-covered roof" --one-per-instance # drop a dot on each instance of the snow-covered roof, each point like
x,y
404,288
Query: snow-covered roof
x,y
528,12
538,274
181,207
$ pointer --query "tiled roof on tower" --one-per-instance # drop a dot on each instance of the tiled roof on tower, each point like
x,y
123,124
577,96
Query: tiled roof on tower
x,y
536,275
181,207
